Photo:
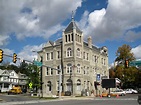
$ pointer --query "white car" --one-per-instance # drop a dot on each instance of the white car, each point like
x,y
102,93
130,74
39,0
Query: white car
x,y
131,91
120,92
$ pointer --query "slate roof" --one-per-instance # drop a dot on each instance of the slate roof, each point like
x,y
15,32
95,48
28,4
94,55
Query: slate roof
x,y
71,26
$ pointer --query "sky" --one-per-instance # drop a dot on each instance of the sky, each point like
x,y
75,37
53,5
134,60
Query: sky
x,y
26,25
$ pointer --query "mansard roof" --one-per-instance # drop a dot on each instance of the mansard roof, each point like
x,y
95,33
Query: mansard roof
x,y
93,47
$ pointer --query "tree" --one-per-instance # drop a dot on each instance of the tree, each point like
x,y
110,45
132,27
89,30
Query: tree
x,y
32,71
124,55
33,74
111,73
119,72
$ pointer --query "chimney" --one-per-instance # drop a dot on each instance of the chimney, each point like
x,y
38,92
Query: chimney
x,y
90,42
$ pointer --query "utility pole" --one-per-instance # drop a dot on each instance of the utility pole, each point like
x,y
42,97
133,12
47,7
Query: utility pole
x,y
59,84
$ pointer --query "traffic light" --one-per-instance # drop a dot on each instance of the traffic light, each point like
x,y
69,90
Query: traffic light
x,y
127,63
14,58
1,55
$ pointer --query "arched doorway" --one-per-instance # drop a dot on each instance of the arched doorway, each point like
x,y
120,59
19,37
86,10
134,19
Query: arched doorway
x,y
69,85
49,86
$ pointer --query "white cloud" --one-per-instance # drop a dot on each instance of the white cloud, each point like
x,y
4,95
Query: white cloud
x,y
3,40
137,51
113,22
132,36
29,52
8,51
31,18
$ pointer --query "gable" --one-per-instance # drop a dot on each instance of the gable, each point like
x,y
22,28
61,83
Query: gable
x,y
48,44
13,74
5,72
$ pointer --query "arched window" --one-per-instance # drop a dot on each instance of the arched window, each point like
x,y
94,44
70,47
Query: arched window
x,y
49,85
69,52
78,85
78,52
69,84
69,68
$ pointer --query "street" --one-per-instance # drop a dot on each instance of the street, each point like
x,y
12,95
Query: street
x,y
130,99
85,102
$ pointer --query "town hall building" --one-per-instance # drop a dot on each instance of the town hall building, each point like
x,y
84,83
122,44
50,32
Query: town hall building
x,y
83,65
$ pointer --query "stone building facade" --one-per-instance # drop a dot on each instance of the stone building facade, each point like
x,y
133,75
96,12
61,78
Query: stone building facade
x,y
83,64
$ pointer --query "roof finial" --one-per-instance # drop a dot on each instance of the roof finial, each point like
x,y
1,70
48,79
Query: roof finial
x,y
72,16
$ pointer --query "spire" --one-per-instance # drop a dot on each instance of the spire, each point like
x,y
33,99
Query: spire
x,y
72,18
72,25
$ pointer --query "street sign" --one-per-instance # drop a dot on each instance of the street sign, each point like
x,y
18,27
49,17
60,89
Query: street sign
x,y
37,63
135,63
30,85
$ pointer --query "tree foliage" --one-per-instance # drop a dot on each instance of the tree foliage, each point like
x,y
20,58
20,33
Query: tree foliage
x,y
111,73
124,54
32,71
130,76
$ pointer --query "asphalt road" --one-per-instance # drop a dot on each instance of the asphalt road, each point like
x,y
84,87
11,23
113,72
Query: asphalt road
x,y
87,102
26,100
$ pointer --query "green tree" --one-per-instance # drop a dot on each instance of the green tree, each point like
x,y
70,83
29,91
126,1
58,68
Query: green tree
x,y
119,72
124,54
32,71
111,73
33,74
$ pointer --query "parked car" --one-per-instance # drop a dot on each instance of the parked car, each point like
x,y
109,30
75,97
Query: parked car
x,y
131,91
109,95
15,90
120,92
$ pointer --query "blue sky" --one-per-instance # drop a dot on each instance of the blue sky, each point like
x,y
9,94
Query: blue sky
x,y
26,25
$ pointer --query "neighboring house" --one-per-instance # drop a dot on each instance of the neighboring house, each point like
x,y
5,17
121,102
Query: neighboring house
x,y
13,78
22,80
9,78
82,63
4,80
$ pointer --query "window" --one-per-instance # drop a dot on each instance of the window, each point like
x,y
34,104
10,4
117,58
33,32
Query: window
x,y
57,85
87,56
69,52
49,85
12,74
48,58
58,67
47,71
69,68
104,61
58,54
87,70
84,70
78,52
51,71
83,55
78,88
72,37
69,37
96,59
66,37
51,55
5,78
78,68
